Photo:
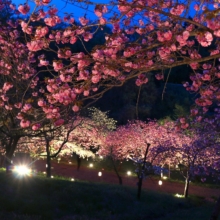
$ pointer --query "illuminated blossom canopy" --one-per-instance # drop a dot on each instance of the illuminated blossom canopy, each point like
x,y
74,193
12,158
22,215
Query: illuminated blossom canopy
x,y
165,37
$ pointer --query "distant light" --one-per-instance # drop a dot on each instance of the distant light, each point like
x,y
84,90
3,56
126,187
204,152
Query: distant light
x,y
164,177
44,172
129,173
160,182
51,176
22,170
101,157
91,165
99,173
70,162
72,179
179,196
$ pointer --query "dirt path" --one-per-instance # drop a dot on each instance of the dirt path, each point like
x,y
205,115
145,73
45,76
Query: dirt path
x,y
88,174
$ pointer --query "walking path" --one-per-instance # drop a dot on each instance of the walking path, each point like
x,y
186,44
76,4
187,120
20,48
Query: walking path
x,y
89,174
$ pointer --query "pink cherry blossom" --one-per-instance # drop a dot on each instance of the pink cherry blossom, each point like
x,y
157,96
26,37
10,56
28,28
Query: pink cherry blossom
x,y
196,7
59,122
41,103
36,127
7,86
24,9
25,123
75,108
83,21
205,39
102,21
52,21
35,45
178,10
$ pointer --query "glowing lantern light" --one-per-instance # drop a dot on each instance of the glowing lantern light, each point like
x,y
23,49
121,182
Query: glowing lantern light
x,y
99,173
160,182
129,173
90,165
22,170
179,196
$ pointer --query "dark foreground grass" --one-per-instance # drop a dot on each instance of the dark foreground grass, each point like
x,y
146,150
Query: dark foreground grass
x,y
37,197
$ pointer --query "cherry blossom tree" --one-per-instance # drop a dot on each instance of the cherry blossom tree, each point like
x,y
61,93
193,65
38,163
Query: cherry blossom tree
x,y
88,136
82,135
84,140
197,151
50,143
109,149
21,89
167,38
142,143
17,75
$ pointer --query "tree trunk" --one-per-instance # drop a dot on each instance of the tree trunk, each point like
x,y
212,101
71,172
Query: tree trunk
x,y
161,172
140,180
169,171
10,149
48,165
140,175
116,171
2,161
78,160
216,210
186,189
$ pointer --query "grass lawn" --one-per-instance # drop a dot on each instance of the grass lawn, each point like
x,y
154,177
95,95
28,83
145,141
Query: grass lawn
x,y
37,197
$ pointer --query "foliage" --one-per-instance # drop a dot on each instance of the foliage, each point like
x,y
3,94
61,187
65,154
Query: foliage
x,y
102,120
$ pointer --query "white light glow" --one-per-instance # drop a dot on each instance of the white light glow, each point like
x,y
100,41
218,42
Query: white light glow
x,y
129,173
51,176
22,170
160,182
99,173
101,157
164,177
90,165
72,179
70,162
179,196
